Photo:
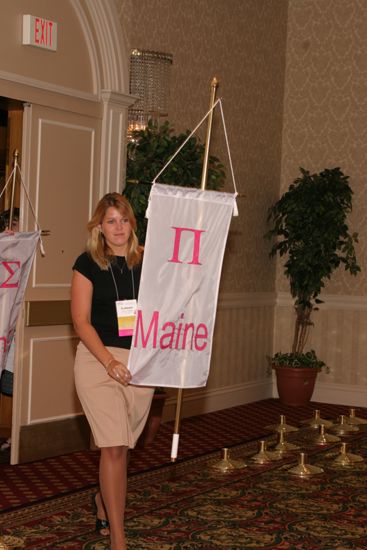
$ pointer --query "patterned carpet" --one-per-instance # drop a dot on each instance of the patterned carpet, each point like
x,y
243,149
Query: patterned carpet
x,y
192,505
200,435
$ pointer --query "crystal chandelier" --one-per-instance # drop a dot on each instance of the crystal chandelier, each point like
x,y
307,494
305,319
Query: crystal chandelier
x,y
149,82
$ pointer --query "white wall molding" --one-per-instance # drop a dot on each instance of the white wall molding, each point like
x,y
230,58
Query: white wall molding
x,y
113,58
340,394
203,400
113,150
47,86
330,301
116,99
239,300
284,299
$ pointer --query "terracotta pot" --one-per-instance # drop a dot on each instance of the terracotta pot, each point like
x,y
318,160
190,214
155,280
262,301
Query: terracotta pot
x,y
295,385
153,421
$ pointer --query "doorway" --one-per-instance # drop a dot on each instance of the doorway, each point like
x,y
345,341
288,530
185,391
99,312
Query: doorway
x,y
70,114
11,129
11,122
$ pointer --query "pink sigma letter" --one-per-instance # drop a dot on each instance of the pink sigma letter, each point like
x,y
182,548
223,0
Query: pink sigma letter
x,y
7,264
196,248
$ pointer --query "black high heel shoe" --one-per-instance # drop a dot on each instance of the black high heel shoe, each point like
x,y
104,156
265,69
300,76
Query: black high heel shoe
x,y
100,523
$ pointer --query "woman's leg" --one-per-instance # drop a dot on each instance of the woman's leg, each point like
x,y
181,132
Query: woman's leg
x,y
113,482
101,516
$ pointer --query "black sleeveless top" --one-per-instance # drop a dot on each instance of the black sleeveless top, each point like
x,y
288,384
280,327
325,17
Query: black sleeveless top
x,y
103,314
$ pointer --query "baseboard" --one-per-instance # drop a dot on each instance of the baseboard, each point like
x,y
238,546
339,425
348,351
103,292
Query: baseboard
x,y
340,394
53,438
47,439
203,401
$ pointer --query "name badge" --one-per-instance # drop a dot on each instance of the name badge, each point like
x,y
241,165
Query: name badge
x,y
126,315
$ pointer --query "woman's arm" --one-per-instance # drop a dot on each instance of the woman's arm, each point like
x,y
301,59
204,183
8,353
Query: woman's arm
x,y
81,305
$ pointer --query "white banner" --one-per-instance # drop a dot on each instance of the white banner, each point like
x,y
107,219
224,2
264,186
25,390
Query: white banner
x,y
187,232
16,256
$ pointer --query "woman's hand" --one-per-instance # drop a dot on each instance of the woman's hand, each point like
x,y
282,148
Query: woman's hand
x,y
118,371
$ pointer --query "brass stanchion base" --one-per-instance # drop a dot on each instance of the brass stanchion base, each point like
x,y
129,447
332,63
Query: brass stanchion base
x,y
282,426
353,419
343,427
226,463
263,456
324,438
317,421
283,447
303,469
345,458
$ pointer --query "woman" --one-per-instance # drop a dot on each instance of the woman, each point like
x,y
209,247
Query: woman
x,y
104,277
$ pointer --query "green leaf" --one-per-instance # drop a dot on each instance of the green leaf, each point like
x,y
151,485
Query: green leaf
x,y
308,226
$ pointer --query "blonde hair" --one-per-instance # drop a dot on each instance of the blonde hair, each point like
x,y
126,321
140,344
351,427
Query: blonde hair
x,y
96,244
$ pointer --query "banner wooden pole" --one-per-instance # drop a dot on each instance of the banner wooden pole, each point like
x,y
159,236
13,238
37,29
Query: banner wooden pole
x,y
11,211
204,175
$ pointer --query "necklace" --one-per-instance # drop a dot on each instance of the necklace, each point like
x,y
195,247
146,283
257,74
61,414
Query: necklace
x,y
120,267
114,280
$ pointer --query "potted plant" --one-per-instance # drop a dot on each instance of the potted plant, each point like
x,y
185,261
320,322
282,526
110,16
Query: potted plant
x,y
309,226
147,152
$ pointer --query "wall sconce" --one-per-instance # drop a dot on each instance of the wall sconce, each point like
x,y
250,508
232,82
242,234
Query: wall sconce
x,y
149,82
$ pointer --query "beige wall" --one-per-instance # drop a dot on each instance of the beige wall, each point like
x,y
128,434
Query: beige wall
x,y
293,81
54,69
243,44
325,114
325,120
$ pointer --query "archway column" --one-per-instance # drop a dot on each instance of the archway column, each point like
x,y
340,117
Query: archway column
x,y
113,142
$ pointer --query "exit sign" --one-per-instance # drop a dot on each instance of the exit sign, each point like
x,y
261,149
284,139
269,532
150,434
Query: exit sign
x,y
39,32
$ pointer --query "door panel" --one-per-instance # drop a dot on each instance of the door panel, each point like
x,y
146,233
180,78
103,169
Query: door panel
x,y
60,169
51,388
63,167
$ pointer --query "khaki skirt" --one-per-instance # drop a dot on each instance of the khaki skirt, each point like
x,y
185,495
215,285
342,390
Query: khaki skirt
x,y
116,413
